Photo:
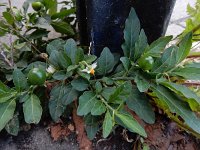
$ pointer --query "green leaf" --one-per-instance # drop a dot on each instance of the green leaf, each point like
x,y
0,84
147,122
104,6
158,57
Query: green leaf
x,y
32,110
92,126
127,121
76,54
108,81
64,60
72,68
121,93
3,87
12,127
177,106
19,80
131,34
6,112
139,103
56,107
55,45
183,91
80,84
92,130
184,48
187,73
105,62
4,97
60,75
98,87
142,84
63,13
140,45
107,92
63,27
51,5
126,62
167,61
54,59
9,18
107,124
39,33
86,103
43,22
156,48
90,58
70,95
98,109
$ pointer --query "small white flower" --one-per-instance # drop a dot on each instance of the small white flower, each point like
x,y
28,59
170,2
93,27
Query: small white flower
x,y
90,69
51,69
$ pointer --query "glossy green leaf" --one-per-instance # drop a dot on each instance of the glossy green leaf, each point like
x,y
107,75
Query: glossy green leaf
x,y
32,110
177,106
19,80
12,127
92,130
9,18
121,93
4,97
56,107
187,73
126,62
64,60
167,60
76,54
142,84
63,13
184,48
157,47
80,84
140,45
3,87
127,121
182,90
131,34
6,112
107,124
98,109
54,59
63,27
140,104
105,62
70,95
51,6
90,58
92,126
107,92
86,103
98,87
55,45
60,75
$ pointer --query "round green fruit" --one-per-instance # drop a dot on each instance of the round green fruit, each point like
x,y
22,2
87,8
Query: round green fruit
x,y
146,63
36,76
36,6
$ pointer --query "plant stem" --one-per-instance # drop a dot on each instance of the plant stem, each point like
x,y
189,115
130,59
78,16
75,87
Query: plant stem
x,y
103,100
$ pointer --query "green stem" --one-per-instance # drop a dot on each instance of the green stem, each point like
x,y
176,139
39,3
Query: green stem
x,y
103,100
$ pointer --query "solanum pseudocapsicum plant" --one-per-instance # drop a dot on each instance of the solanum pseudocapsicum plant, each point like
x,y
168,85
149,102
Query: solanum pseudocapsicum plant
x,y
104,86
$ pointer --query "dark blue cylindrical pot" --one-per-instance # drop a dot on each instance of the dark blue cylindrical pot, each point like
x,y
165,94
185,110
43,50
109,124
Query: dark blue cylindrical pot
x,y
106,19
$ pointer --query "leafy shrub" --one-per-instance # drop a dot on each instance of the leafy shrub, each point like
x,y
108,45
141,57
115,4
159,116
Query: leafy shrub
x,y
104,86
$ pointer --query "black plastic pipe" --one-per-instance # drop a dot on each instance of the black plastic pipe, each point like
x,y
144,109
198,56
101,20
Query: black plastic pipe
x,y
106,18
